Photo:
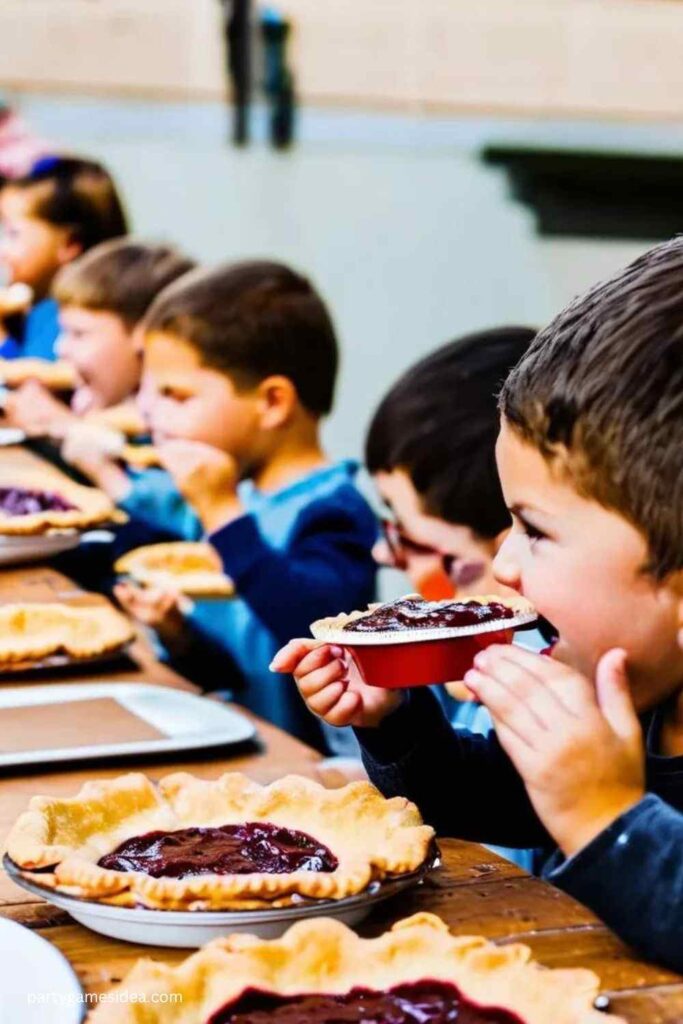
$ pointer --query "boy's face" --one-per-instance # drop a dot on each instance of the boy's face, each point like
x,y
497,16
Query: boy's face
x,y
580,565
181,398
31,250
441,559
103,350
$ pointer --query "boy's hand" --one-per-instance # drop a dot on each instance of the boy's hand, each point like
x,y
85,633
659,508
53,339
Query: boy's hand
x,y
331,685
160,610
206,477
578,746
92,451
36,411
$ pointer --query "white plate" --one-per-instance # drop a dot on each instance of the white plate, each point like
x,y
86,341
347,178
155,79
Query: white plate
x,y
191,929
10,436
189,722
36,548
37,983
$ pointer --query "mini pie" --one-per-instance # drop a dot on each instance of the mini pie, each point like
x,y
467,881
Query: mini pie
x,y
30,632
227,844
184,566
320,972
30,503
57,376
413,618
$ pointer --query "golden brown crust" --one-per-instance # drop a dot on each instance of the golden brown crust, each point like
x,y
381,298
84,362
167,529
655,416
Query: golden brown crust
x,y
322,955
185,566
57,376
140,456
91,506
332,628
124,418
371,837
32,631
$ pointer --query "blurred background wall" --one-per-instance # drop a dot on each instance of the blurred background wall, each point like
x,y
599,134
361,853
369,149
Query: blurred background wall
x,y
385,200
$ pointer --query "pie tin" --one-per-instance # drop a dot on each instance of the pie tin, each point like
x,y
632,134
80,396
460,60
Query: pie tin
x,y
399,660
190,929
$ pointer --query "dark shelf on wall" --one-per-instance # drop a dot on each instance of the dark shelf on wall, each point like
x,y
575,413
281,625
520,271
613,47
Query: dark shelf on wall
x,y
603,195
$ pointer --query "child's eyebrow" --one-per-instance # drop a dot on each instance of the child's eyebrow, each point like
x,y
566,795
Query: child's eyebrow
x,y
523,511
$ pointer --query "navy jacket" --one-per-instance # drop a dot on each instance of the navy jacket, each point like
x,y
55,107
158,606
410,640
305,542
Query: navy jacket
x,y
631,875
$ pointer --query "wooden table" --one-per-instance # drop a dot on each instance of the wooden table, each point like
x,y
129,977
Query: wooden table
x,y
475,891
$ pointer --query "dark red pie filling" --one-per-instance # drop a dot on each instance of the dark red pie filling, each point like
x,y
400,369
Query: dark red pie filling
x,y
227,850
415,613
423,1002
17,501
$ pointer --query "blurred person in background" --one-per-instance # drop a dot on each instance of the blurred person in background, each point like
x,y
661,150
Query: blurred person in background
x,y
63,207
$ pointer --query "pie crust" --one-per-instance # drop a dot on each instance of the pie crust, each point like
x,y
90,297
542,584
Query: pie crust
x,y
323,955
332,629
140,456
30,632
185,566
57,376
92,506
371,837
124,418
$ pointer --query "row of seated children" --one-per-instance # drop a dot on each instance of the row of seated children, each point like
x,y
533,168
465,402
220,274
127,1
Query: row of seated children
x,y
447,533
104,297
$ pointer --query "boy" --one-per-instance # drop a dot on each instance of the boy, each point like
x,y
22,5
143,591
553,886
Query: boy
x,y
61,209
239,367
102,298
589,460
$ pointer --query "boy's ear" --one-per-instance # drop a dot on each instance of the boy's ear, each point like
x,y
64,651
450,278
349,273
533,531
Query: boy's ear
x,y
69,249
277,401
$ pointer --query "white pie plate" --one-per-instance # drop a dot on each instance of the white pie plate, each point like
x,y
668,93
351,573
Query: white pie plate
x,y
187,929
189,722
17,550
37,983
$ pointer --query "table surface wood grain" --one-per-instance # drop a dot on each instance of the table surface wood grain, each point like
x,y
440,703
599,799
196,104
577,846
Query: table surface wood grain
x,y
474,891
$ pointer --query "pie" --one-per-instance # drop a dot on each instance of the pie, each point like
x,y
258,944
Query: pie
x,y
183,566
57,376
29,505
321,972
413,618
30,632
191,844
140,456
123,418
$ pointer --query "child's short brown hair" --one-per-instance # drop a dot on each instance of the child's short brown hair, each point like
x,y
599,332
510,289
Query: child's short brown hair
x,y
600,394
76,194
121,277
252,320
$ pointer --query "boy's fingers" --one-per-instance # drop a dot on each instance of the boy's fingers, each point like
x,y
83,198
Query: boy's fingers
x,y
323,702
345,710
505,706
289,656
527,687
313,682
570,688
614,696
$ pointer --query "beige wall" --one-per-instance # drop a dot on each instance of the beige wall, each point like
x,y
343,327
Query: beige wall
x,y
591,57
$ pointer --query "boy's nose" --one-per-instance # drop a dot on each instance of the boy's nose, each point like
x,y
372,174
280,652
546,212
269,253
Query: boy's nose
x,y
506,564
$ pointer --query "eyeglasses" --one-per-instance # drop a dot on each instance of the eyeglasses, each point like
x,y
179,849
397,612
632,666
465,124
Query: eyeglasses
x,y
462,571
400,545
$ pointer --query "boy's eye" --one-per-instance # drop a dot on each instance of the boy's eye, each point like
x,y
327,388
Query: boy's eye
x,y
176,394
532,532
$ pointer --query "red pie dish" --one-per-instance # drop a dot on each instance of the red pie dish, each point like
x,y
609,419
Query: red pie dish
x,y
413,642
